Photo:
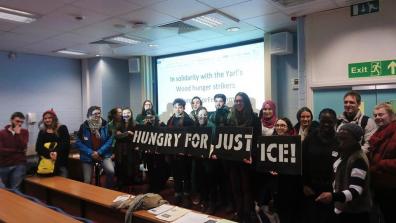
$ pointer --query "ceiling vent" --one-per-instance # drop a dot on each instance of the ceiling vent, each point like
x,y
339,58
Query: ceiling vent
x,y
180,26
289,3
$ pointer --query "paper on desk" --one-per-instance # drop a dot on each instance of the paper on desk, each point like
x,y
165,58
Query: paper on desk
x,y
122,198
161,209
172,214
193,217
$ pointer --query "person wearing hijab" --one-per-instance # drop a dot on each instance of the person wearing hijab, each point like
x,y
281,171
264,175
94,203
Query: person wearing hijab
x,y
94,141
53,142
268,117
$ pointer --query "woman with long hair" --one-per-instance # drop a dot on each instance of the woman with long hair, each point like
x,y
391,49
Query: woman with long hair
x,y
242,115
126,157
305,124
53,142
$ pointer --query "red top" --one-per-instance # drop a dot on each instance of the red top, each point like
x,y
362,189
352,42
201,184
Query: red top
x,y
13,147
95,142
383,156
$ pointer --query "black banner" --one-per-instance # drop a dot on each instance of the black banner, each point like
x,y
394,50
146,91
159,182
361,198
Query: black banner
x,y
233,143
281,154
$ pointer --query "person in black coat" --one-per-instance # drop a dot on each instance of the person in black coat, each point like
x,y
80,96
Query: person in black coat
x,y
53,142
181,164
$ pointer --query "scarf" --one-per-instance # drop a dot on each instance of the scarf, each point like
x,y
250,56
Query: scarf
x,y
355,119
269,122
94,126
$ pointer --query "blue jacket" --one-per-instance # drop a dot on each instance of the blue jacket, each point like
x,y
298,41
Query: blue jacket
x,y
84,142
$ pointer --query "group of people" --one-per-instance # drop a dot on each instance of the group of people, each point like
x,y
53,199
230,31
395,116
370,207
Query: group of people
x,y
349,161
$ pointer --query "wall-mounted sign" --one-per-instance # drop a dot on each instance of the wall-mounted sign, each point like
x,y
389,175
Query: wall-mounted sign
x,y
365,8
372,69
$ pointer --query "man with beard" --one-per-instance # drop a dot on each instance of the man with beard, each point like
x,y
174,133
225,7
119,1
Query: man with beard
x,y
352,114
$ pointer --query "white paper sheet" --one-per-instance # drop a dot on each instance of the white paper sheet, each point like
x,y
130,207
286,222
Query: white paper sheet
x,y
193,217
161,209
172,214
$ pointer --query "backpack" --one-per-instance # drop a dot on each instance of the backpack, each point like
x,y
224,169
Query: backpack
x,y
47,166
143,202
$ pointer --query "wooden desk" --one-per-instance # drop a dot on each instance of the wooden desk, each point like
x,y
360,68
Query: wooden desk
x,y
75,197
15,208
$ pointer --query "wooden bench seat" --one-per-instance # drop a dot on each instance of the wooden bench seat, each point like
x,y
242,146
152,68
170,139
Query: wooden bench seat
x,y
76,198
15,208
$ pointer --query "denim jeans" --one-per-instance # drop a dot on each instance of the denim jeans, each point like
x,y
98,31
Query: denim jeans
x,y
12,176
108,168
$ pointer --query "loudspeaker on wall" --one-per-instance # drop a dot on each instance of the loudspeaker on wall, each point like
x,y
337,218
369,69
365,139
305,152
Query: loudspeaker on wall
x,y
134,65
281,43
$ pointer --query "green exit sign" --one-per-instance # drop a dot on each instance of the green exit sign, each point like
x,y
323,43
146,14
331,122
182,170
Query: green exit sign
x,y
372,69
365,8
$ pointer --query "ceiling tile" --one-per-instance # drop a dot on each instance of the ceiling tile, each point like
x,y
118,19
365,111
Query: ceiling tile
x,y
50,45
149,16
268,22
201,35
145,2
153,33
250,9
180,9
102,29
172,41
36,30
23,38
41,7
7,26
106,7
309,7
221,4
64,19
243,27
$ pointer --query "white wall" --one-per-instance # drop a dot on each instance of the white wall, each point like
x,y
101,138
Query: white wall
x,y
334,39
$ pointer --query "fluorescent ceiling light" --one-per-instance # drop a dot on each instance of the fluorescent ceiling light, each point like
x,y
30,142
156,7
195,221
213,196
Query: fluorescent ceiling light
x,y
124,40
71,52
16,15
212,19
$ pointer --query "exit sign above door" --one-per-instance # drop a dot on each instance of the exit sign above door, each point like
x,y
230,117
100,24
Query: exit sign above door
x,y
365,8
372,69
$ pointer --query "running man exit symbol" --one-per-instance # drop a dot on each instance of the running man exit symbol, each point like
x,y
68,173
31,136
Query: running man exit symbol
x,y
376,68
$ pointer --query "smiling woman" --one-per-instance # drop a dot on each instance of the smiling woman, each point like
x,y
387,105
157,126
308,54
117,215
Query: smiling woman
x,y
383,160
